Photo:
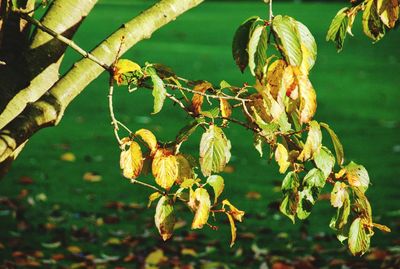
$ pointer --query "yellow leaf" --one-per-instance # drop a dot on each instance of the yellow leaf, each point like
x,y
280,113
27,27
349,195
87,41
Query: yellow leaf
x,y
313,142
91,177
152,197
189,251
274,76
357,175
68,157
339,194
165,217
154,259
124,66
388,11
131,160
308,99
165,168
258,105
149,138
74,249
203,205
381,227
289,84
233,229
281,157
226,109
236,213
197,99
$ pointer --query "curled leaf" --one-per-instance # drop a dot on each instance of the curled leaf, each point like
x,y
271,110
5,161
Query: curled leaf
x,y
217,183
233,228
149,138
233,211
122,67
197,99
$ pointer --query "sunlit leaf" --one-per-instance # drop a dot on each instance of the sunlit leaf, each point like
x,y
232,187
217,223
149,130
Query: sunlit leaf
x,y
226,109
240,41
197,99
257,49
372,25
381,227
185,170
155,258
336,143
217,183
388,11
285,28
149,138
306,202
281,157
359,239
290,182
165,168
308,48
357,175
165,217
289,205
124,66
233,228
308,99
338,28
258,144
159,91
339,194
203,206
233,211
131,160
314,178
152,197
324,160
214,150
313,142
275,77
341,200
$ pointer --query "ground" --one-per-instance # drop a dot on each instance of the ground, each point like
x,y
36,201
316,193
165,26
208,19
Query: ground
x,y
55,211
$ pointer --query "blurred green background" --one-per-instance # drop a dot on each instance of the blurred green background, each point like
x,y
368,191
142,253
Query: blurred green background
x,y
358,95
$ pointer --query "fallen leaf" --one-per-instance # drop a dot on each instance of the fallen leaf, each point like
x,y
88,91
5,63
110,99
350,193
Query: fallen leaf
x,y
25,180
74,249
92,177
253,195
68,157
189,252
154,259
58,256
229,169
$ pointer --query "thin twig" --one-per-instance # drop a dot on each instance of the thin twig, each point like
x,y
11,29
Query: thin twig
x,y
271,15
114,121
65,40
134,181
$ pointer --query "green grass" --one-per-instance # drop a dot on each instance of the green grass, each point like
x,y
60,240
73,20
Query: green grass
x,y
358,95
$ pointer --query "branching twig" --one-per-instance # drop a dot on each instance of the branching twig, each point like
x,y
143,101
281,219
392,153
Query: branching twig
x,y
63,39
134,181
114,121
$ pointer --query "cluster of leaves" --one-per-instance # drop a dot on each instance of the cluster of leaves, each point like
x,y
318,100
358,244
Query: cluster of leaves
x,y
378,17
279,109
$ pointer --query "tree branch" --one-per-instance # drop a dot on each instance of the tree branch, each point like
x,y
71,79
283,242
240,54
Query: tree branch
x,y
85,71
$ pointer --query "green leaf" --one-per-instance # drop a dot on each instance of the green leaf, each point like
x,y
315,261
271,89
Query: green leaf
x,y
339,194
289,205
357,176
203,206
313,142
188,130
159,91
308,48
372,25
306,203
359,239
339,221
214,151
240,41
290,182
362,206
336,143
258,144
314,178
338,28
217,183
285,28
257,50
324,160
152,197
165,217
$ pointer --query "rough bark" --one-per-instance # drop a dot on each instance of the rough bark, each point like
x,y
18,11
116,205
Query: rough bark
x,y
49,109
40,61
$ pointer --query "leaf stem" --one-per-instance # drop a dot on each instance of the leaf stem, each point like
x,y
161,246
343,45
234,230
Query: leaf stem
x,y
134,181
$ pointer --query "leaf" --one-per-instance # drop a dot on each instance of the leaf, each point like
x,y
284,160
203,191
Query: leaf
x,y
149,138
314,178
306,203
289,205
159,91
362,206
357,175
214,151
339,194
281,157
336,143
203,206
324,160
339,221
275,77
373,27
131,160
185,170
233,229
226,109
52,245
308,48
91,177
154,259
217,183
313,142
285,28
257,50
233,211
258,143
152,197
338,28
308,99
290,182
68,157
240,41
122,67
381,227
388,11
359,240
197,99
165,168
165,217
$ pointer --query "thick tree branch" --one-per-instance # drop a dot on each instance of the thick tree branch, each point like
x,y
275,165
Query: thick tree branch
x,y
85,71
